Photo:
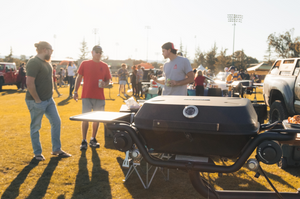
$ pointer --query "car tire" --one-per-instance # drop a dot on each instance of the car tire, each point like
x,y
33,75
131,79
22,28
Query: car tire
x,y
1,83
278,112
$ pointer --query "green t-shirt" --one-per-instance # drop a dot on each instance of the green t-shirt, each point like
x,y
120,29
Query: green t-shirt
x,y
42,72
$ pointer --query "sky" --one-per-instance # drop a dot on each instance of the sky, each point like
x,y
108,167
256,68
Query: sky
x,y
137,29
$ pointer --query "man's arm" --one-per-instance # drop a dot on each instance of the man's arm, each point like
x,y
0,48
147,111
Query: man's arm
x,y
32,89
156,80
77,85
189,78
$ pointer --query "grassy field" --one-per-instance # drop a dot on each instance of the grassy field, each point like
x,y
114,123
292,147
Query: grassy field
x,y
96,173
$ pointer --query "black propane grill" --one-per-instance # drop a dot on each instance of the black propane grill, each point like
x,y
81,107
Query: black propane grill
x,y
193,129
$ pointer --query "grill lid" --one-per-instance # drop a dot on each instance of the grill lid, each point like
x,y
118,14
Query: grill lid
x,y
198,114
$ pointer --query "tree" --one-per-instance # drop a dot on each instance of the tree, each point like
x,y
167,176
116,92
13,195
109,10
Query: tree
x,y
242,61
83,49
284,45
211,58
23,57
199,58
9,57
222,61
184,52
269,53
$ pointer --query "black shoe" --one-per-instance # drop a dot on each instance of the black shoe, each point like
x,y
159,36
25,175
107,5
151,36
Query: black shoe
x,y
94,143
83,145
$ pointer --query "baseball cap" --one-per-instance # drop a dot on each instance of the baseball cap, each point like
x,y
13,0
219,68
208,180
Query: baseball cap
x,y
168,45
97,48
232,67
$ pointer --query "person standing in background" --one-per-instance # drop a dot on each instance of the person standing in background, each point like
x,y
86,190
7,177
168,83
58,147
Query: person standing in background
x,y
40,102
233,76
178,72
22,73
122,74
71,72
139,79
200,80
55,80
133,80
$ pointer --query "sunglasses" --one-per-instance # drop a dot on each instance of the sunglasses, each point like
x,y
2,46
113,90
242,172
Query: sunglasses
x,y
98,52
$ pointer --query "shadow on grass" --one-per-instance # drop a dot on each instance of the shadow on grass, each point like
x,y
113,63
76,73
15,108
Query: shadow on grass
x,y
42,184
98,186
65,101
9,91
279,179
109,143
14,188
137,190
295,171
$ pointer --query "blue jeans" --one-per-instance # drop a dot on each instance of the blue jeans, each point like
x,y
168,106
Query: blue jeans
x,y
37,112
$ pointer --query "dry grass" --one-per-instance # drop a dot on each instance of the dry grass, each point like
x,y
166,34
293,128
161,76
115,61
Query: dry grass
x,y
94,173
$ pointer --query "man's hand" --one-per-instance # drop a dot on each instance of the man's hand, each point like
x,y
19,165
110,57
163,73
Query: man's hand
x,y
38,101
75,96
153,77
172,83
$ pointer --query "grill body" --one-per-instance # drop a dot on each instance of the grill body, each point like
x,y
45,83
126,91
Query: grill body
x,y
222,126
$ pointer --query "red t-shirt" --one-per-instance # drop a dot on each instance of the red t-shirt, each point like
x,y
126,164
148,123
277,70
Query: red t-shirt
x,y
92,72
199,80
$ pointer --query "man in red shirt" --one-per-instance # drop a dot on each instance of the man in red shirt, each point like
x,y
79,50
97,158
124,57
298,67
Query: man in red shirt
x,y
96,76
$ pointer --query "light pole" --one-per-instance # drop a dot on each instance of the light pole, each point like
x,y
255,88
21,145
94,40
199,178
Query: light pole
x,y
147,27
95,31
54,36
117,44
234,18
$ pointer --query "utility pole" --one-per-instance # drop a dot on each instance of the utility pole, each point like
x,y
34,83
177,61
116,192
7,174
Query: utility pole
x,y
147,27
95,31
234,18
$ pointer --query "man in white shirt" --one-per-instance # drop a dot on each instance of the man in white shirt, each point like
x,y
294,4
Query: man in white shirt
x,y
71,72
177,71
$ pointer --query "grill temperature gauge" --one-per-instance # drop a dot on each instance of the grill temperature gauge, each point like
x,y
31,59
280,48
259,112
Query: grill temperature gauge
x,y
190,111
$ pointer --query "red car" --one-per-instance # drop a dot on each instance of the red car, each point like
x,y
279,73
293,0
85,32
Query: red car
x,y
8,74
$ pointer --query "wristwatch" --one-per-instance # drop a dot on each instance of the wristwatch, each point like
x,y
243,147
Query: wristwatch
x,y
75,92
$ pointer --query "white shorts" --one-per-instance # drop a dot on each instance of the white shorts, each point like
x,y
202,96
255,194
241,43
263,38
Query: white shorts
x,y
89,104
122,82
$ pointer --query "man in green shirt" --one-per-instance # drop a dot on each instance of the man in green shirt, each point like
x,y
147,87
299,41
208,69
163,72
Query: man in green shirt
x,y
39,100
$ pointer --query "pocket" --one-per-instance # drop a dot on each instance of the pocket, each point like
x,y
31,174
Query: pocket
x,y
40,106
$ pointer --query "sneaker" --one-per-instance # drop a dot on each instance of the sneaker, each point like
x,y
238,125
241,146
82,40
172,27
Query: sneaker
x,y
83,145
118,95
19,89
59,95
125,95
94,143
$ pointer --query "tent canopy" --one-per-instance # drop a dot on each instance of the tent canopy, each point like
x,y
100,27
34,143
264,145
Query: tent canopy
x,y
146,65
201,68
260,69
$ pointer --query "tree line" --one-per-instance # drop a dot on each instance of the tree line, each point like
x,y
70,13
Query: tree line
x,y
218,61
284,45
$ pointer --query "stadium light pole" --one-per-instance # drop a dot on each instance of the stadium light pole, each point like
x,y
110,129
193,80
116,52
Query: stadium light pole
x,y
234,18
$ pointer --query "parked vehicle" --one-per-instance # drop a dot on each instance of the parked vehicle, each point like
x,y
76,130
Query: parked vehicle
x,y
8,74
216,83
220,76
281,89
